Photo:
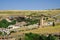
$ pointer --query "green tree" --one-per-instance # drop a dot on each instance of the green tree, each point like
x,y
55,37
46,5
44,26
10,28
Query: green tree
x,y
31,36
13,22
42,37
4,23
51,37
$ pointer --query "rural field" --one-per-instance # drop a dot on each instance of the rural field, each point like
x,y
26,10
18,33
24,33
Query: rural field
x,y
28,12
52,15
35,13
45,30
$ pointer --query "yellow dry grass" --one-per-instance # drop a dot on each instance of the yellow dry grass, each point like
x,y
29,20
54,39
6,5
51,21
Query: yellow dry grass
x,y
27,12
45,30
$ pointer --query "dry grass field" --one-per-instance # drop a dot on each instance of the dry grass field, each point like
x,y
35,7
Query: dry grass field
x,y
45,30
28,12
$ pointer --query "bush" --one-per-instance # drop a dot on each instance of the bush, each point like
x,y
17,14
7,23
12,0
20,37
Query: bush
x,y
31,36
31,22
13,22
52,37
12,31
0,33
42,37
4,23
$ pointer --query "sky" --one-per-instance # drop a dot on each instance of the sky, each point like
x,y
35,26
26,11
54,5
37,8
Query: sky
x,y
29,4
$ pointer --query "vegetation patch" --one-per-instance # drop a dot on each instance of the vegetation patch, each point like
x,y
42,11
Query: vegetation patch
x,y
31,36
4,23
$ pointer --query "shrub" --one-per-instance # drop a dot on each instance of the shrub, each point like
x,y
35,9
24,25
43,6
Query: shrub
x,y
0,33
4,23
31,36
